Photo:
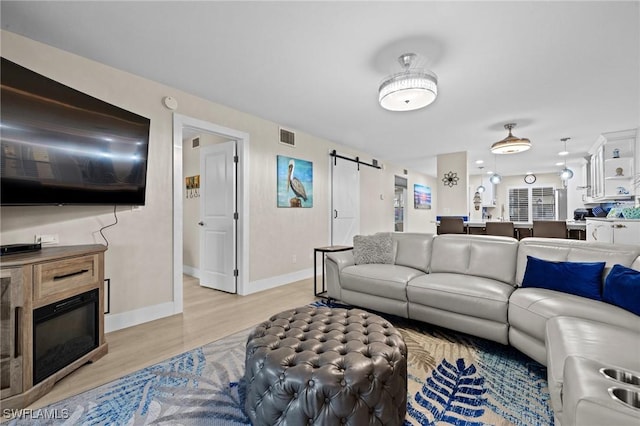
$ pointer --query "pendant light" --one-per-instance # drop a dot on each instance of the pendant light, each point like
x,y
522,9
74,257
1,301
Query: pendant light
x,y
511,144
481,188
565,173
495,177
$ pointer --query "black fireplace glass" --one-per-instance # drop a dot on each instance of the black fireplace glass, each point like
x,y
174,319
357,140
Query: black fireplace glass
x,y
63,332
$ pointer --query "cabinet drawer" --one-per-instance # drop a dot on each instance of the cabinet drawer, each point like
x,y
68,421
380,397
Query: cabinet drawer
x,y
63,275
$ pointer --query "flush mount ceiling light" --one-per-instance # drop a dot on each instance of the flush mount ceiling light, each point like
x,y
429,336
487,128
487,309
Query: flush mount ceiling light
x,y
511,144
565,173
410,89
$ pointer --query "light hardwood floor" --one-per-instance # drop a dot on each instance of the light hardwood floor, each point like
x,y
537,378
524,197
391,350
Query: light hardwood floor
x,y
208,316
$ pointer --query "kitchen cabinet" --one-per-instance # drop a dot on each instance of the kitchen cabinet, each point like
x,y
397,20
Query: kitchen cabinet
x,y
489,195
612,166
613,231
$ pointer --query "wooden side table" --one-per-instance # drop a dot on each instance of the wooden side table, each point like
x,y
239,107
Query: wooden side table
x,y
323,251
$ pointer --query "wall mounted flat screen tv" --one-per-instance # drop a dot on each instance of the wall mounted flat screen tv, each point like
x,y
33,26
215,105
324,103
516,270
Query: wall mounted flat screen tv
x,y
61,146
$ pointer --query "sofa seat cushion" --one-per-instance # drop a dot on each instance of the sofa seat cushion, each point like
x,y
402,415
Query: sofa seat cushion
x,y
567,336
530,308
464,294
378,279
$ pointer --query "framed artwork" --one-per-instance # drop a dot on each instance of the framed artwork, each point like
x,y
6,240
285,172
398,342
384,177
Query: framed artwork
x,y
295,182
422,197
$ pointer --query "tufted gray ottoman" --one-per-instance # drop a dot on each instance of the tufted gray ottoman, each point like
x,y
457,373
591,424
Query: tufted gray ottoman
x,y
326,366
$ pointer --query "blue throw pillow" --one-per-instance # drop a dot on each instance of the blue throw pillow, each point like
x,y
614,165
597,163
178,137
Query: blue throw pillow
x,y
622,288
579,278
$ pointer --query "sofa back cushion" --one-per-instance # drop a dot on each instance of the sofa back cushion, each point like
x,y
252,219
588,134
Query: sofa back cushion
x,y
413,250
480,255
559,250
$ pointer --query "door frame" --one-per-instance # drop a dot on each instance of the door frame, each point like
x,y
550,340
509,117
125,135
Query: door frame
x,y
242,200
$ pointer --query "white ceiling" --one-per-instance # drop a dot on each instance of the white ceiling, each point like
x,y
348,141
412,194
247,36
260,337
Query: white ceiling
x,y
558,69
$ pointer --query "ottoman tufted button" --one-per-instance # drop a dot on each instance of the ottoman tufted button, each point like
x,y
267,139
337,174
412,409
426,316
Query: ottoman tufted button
x,y
327,400
343,420
282,377
371,377
310,383
343,383
295,395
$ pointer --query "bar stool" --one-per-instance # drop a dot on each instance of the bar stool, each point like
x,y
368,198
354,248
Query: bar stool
x,y
504,229
451,225
550,228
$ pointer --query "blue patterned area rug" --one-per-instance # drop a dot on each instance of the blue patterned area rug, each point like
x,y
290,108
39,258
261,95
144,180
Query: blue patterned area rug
x,y
452,379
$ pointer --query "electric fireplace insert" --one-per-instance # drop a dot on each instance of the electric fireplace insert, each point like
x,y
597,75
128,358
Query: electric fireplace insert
x,y
63,332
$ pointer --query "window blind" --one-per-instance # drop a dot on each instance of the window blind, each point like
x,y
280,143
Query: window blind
x,y
543,203
519,204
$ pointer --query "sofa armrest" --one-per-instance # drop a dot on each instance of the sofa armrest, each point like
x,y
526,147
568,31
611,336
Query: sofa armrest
x,y
335,263
341,259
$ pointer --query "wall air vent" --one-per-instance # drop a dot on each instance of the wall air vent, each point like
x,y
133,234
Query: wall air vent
x,y
287,137
195,142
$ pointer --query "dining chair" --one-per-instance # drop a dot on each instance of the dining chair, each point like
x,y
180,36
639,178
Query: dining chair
x,y
504,229
451,225
550,228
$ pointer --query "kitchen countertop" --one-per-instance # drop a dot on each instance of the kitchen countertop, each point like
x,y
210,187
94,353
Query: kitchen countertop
x,y
613,219
571,224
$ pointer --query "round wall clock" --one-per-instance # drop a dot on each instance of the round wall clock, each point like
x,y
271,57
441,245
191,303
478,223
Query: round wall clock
x,y
530,178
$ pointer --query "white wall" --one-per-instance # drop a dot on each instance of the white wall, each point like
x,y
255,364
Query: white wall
x,y
453,199
517,181
139,259
376,200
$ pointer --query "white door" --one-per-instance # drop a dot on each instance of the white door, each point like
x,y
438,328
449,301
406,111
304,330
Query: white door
x,y
217,213
345,202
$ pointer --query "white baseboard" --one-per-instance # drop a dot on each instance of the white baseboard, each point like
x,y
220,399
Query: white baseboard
x,y
190,270
113,322
271,282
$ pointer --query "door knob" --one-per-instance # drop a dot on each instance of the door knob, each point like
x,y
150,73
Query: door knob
x,y
201,223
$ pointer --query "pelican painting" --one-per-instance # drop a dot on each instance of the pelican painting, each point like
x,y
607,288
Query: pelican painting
x,y
295,182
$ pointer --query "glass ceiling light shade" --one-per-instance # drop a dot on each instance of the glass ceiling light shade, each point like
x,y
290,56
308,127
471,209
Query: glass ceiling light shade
x,y
566,174
408,90
511,144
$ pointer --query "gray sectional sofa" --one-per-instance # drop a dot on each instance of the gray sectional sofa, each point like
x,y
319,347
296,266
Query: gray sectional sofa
x,y
472,284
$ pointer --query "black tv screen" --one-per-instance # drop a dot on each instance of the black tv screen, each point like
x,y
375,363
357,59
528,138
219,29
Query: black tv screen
x,y
61,146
